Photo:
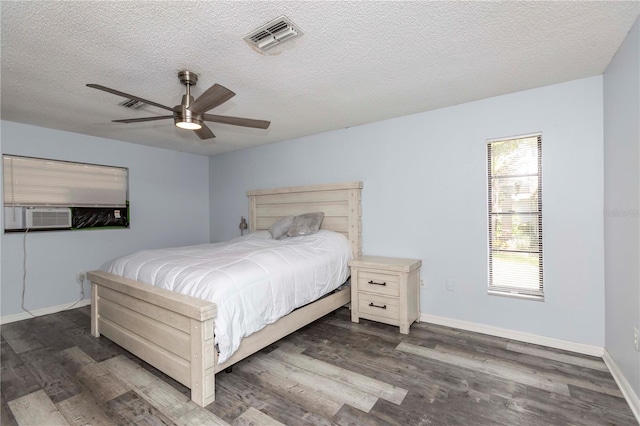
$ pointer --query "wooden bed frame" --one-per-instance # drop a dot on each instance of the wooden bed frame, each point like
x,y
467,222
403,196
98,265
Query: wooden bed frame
x,y
174,332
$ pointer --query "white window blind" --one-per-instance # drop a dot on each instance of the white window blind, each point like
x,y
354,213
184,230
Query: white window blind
x,y
515,216
41,182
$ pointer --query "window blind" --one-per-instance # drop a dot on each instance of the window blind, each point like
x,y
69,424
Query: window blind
x,y
515,216
41,182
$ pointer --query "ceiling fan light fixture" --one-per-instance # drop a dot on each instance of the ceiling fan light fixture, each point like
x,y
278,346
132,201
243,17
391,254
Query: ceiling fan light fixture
x,y
189,124
186,119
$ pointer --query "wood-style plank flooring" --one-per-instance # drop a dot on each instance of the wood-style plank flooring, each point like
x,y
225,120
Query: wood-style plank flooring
x,y
330,372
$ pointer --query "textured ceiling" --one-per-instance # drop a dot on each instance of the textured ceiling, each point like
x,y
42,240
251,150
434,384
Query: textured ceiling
x,y
356,63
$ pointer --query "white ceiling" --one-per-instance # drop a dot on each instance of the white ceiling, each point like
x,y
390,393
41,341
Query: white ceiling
x,y
356,63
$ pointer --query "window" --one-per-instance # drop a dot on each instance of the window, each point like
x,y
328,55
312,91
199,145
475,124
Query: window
x,y
92,195
515,216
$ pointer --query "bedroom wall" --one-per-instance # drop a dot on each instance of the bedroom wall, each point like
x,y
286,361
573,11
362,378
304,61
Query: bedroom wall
x,y
425,197
164,186
622,205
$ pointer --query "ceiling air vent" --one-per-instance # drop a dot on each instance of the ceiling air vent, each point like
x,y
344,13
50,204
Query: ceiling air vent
x,y
132,104
273,33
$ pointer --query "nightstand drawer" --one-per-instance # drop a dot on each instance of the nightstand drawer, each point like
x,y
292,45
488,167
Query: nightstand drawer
x,y
379,283
380,306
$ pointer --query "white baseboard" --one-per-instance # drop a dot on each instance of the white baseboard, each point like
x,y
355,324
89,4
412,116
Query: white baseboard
x,y
44,311
515,335
623,384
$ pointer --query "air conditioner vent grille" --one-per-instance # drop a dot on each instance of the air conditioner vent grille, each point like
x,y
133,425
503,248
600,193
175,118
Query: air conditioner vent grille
x,y
273,33
42,218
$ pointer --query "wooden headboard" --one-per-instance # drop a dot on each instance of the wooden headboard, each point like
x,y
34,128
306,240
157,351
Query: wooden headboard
x,y
340,203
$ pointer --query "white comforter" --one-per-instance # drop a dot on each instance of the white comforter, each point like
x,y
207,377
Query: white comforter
x,y
254,281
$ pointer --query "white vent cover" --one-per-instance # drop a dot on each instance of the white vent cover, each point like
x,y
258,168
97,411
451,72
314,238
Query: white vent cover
x,y
273,33
43,218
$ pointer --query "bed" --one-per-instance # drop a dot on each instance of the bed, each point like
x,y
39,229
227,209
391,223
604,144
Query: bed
x,y
175,332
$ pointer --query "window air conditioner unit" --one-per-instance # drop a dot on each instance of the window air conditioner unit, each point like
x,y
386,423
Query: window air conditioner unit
x,y
46,218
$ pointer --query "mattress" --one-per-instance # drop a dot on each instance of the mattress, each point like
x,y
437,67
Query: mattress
x,y
253,280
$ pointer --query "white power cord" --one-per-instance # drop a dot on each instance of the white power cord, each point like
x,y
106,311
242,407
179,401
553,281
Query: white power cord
x,y
24,279
81,295
24,271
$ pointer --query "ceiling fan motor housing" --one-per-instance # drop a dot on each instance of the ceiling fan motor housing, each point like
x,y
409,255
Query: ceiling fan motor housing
x,y
184,118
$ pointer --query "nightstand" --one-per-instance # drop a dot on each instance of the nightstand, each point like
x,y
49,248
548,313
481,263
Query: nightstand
x,y
385,289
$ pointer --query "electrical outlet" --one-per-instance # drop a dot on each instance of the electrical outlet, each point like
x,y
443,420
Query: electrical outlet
x,y
450,285
422,283
81,276
635,339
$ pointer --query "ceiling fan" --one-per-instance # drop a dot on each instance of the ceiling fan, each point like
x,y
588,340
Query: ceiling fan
x,y
190,114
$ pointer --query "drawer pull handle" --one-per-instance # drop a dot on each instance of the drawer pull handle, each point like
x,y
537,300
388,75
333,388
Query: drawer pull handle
x,y
377,306
375,283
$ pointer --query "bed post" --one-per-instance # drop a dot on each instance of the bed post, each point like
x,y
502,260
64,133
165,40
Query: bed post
x,y
252,213
355,224
203,360
95,331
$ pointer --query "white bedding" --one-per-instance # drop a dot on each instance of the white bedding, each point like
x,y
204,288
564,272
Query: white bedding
x,y
253,281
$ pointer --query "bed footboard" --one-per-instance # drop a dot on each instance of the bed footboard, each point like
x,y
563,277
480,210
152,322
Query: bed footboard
x,y
175,333
171,331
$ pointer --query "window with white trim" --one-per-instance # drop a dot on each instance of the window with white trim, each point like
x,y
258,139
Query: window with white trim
x,y
84,189
515,216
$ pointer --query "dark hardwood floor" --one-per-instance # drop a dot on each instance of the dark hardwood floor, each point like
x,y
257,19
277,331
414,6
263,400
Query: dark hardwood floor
x,y
330,372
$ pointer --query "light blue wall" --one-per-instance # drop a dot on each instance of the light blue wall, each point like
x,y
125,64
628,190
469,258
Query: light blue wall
x,y
169,196
622,203
425,197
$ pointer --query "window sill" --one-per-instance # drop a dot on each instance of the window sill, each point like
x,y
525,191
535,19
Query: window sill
x,y
43,230
516,295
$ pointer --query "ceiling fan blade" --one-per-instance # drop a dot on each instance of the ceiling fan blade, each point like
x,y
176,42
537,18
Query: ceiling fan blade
x,y
126,95
237,121
139,120
205,133
211,98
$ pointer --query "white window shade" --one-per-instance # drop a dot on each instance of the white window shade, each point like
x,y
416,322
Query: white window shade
x,y
41,182
515,216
